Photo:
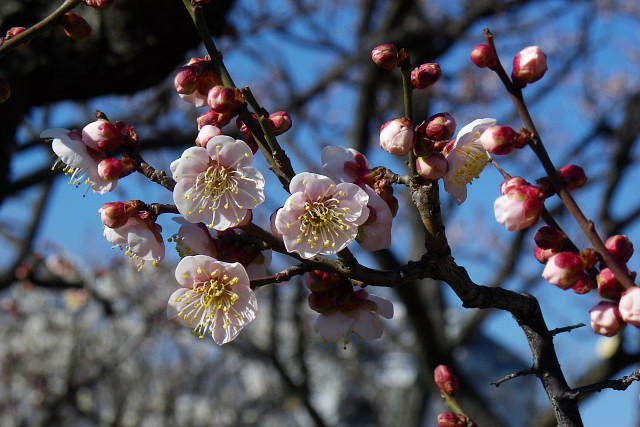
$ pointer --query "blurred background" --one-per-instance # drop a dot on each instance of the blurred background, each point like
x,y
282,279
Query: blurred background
x,y
84,340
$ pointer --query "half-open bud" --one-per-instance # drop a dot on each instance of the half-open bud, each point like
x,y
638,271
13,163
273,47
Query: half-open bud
x,y
606,319
206,133
397,136
102,135
529,65
630,306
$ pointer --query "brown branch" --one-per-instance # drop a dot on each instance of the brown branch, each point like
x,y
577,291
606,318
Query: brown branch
x,y
621,384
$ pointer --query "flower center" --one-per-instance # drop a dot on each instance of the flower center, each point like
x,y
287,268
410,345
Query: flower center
x,y
473,160
323,221
213,187
207,300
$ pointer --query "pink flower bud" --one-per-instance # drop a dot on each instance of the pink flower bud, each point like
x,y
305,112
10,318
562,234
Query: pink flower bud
x,y
549,237
451,419
543,255
113,215
207,77
280,122
606,319
498,139
564,269
573,176
608,286
425,75
5,90
441,126
484,56
397,136
99,4
529,65
620,247
225,100
445,379
111,169
433,167
629,306
102,135
186,80
14,32
214,119
512,183
387,56
75,26
520,206
206,133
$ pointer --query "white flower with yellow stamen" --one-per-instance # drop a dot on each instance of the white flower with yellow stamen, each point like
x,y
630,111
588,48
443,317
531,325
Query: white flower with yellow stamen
x,y
321,216
215,298
466,159
217,185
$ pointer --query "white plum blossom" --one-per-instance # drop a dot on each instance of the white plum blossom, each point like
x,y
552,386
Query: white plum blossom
x,y
321,216
363,320
217,184
466,158
80,161
215,298
141,239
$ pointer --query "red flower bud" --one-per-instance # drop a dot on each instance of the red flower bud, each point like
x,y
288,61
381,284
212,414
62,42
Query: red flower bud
x,y
573,176
585,284
498,139
445,379
620,247
75,26
549,237
425,75
102,135
99,4
214,119
441,126
225,100
111,169
450,419
113,215
280,122
14,32
484,56
5,90
186,80
608,286
387,56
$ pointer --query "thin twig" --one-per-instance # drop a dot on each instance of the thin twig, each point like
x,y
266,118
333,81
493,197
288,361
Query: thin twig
x,y
621,384
529,371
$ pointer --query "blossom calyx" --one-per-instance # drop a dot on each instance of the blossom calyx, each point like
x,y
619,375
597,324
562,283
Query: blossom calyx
x,y
446,380
388,56
397,136
102,135
225,100
529,65
484,56
425,75
573,177
498,139
440,127
5,90
75,26
564,269
620,247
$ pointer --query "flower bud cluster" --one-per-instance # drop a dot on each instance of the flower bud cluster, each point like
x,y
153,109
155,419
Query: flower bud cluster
x,y
194,80
105,137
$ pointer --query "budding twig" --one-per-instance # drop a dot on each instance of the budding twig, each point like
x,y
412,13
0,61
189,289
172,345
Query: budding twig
x,y
567,328
621,384
523,373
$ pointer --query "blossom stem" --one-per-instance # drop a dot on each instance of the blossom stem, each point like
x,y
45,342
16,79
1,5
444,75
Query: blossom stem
x,y
283,276
538,148
407,92
48,22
